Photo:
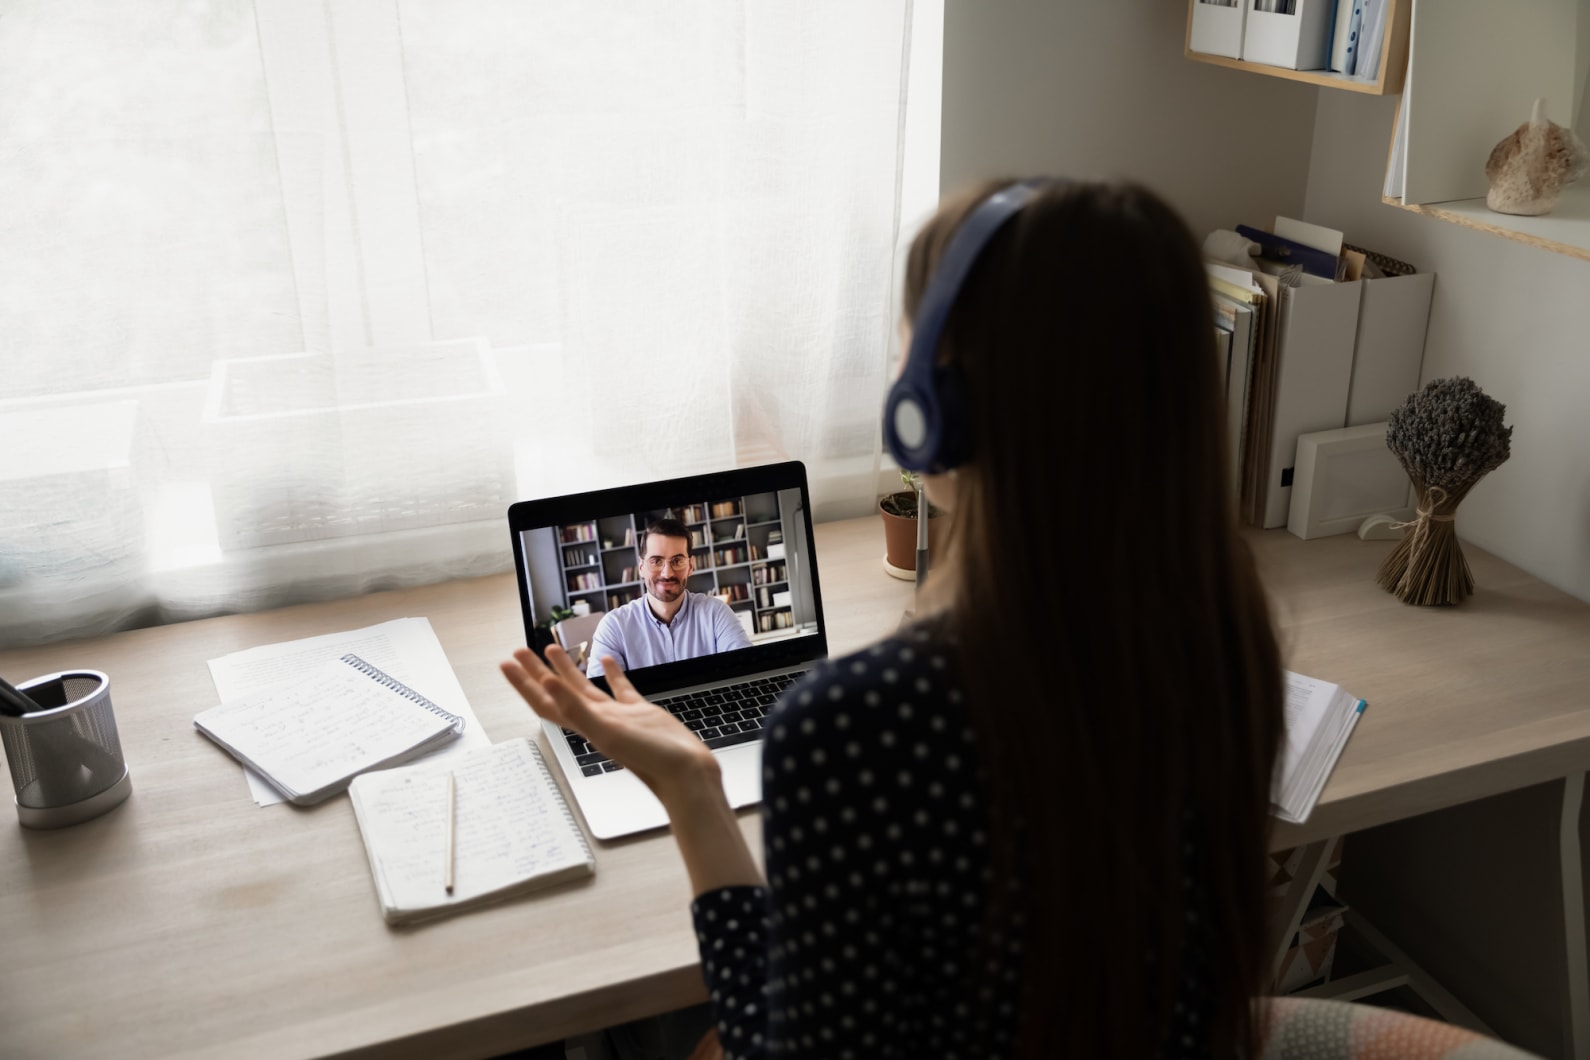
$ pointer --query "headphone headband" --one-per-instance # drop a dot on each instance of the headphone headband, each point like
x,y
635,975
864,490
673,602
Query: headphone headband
x,y
922,421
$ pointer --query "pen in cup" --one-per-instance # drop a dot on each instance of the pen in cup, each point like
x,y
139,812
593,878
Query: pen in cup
x,y
452,828
15,702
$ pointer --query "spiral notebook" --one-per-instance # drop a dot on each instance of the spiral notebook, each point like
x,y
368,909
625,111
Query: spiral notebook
x,y
311,736
491,822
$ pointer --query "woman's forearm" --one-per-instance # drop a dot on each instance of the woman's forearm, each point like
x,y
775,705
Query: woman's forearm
x,y
709,836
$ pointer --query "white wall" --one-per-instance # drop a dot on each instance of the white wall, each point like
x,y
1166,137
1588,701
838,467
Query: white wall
x,y
1513,318
1102,90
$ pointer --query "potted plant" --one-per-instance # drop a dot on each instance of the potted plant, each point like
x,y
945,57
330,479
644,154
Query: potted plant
x,y
899,513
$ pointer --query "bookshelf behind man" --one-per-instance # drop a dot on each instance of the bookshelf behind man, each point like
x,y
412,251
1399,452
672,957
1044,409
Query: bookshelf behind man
x,y
737,543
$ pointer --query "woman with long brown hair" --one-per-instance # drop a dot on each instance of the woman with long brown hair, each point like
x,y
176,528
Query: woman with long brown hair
x,y
1033,823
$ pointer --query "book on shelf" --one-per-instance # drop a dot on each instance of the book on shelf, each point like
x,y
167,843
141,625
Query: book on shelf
x,y
1371,35
1238,320
1222,349
310,736
1319,718
1345,29
1245,301
511,832
1235,283
767,621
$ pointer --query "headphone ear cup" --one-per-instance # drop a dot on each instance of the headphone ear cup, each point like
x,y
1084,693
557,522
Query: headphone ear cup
x,y
954,433
910,422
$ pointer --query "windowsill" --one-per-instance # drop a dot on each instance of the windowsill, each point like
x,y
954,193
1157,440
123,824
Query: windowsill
x,y
188,576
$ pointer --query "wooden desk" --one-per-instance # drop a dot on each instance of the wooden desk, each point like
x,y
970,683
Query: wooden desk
x,y
1464,702
191,922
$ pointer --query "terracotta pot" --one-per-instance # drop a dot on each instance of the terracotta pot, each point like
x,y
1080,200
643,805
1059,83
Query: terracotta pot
x,y
899,539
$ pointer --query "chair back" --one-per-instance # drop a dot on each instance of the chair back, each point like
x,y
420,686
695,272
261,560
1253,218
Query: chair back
x,y
1295,1028
572,632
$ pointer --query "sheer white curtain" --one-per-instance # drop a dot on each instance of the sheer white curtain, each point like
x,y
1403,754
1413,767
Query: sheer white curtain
x,y
298,295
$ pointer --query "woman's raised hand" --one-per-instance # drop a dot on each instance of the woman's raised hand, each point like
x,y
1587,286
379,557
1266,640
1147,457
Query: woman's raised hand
x,y
636,734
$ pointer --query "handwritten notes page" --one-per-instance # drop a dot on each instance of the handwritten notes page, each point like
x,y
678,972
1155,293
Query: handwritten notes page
x,y
513,831
309,737
406,648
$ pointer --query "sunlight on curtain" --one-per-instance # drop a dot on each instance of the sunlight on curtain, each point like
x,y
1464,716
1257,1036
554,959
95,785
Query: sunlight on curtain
x,y
297,296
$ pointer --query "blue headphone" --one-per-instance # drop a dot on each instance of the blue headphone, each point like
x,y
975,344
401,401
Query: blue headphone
x,y
924,422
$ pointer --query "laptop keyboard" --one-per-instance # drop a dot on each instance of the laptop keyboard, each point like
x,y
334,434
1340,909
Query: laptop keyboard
x,y
722,717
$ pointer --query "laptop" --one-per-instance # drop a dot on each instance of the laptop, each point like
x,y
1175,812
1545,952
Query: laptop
x,y
748,573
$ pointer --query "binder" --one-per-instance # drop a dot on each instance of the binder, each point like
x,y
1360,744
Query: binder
x,y
1317,327
1216,27
1312,260
1299,39
1393,316
1238,320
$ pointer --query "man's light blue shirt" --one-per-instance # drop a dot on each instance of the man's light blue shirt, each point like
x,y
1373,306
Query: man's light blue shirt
x,y
703,625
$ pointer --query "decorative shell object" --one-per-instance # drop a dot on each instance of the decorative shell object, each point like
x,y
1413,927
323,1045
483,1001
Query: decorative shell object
x,y
1529,169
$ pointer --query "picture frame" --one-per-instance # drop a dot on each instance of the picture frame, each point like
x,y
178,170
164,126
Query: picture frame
x,y
1341,477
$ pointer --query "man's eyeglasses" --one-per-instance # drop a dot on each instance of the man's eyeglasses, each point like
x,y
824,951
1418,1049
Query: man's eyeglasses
x,y
676,564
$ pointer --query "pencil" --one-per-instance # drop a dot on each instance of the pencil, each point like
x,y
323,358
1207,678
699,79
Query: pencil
x,y
452,828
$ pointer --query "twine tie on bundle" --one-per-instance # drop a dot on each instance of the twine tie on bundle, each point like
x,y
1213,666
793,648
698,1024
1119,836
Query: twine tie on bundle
x,y
1423,517
1423,514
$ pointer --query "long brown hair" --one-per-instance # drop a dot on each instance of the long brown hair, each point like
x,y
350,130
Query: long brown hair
x,y
1120,666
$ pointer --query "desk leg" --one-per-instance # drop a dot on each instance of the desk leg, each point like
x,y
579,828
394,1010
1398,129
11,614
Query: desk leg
x,y
1573,921
1295,902
1396,969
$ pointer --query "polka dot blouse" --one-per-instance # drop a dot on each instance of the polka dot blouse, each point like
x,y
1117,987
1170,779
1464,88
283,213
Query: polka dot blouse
x,y
875,828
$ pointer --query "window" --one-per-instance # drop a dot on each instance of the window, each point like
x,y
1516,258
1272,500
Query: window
x,y
298,296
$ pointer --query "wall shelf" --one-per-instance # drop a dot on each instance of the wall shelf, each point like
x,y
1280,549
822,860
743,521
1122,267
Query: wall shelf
x,y
1566,230
1492,99
1393,57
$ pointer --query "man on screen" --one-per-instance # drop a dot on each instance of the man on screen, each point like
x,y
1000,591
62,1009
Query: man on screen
x,y
669,622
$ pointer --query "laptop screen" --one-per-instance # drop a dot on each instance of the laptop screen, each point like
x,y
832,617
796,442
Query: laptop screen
x,y
726,557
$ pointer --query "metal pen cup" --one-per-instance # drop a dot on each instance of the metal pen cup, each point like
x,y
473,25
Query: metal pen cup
x,y
65,757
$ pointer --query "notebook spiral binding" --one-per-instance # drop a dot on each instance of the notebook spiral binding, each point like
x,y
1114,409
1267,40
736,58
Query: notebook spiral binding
x,y
402,689
568,813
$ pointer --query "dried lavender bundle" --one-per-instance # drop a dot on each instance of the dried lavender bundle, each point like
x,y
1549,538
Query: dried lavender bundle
x,y
1447,437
